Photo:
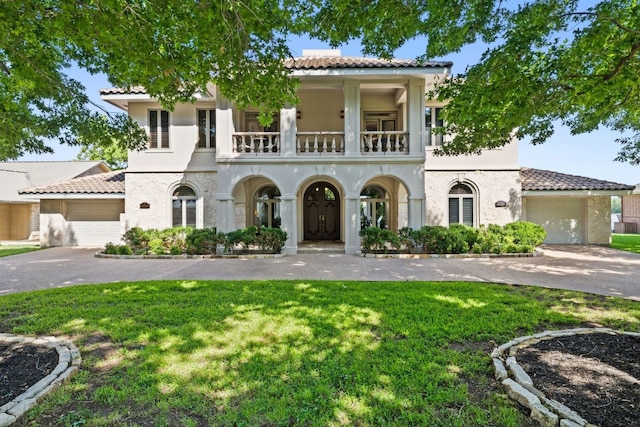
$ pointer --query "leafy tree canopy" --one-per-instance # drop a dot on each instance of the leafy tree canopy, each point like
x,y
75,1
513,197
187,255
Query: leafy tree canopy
x,y
114,155
547,60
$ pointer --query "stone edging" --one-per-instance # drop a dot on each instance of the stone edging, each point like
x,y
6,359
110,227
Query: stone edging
x,y
68,362
184,256
537,252
548,412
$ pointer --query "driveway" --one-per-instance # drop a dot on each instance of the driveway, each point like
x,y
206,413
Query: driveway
x,y
590,269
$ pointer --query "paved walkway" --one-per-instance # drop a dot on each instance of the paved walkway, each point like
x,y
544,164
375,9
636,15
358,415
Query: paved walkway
x,y
590,269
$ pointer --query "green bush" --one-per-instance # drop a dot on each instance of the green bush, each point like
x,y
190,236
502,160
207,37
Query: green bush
x,y
270,240
378,240
204,241
526,233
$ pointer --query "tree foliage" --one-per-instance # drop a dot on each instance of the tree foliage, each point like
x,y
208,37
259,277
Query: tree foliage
x,y
113,155
546,60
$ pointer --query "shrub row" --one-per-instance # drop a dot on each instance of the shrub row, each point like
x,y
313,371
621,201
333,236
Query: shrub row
x,y
195,241
515,237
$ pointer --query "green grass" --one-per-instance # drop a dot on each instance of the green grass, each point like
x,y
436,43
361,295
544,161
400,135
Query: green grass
x,y
302,353
15,250
626,242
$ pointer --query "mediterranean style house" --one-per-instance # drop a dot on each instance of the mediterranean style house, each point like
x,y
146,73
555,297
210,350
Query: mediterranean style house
x,y
357,151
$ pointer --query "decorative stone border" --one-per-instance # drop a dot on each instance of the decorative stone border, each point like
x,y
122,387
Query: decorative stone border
x,y
184,256
68,362
548,412
537,252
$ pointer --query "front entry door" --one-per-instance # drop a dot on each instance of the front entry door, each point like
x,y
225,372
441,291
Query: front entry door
x,y
321,212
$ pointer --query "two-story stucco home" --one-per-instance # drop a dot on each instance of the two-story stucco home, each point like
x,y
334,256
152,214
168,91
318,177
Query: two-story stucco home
x,y
356,151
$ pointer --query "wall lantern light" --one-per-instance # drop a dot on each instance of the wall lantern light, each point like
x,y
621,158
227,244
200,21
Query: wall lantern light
x,y
501,204
298,114
342,114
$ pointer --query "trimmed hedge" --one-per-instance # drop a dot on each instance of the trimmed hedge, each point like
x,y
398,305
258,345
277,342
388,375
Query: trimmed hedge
x,y
193,241
515,237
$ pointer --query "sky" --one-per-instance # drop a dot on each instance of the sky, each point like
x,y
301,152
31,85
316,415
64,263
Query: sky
x,y
589,155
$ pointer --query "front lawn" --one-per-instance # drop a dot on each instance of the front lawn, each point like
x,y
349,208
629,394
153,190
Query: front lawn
x,y
15,250
626,242
198,353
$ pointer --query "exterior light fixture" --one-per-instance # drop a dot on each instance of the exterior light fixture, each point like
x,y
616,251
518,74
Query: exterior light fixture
x,y
342,114
298,114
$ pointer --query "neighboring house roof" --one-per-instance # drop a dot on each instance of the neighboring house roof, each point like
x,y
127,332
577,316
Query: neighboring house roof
x,y
544,180
135,90
15,176
110,183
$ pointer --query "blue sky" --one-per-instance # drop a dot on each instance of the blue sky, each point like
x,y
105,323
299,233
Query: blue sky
x,y
586,155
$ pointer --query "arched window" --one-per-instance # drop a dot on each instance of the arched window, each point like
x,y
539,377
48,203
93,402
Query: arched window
x,y
267,211
461,205
374,207
183,207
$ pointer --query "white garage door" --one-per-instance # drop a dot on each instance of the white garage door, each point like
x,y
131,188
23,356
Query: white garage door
x,y
93,222
561,217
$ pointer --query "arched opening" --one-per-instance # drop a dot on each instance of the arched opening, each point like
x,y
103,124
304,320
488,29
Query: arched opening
x,y
321,212
267,207
374,207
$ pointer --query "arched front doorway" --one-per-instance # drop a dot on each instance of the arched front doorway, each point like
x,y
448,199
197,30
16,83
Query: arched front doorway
x,y
321,212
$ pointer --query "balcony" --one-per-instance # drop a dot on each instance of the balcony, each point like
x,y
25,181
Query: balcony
x,y
256,143
384,142
319,143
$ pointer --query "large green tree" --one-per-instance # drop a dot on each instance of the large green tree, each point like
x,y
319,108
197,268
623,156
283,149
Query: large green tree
x,y
546,60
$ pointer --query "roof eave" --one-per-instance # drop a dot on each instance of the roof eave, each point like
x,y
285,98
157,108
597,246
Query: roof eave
x,y
574,193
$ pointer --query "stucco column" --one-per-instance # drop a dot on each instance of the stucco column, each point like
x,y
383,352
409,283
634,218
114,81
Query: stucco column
x,y
415,96
351,223
225,214
352,118
417,211
288,130
288,214
224,124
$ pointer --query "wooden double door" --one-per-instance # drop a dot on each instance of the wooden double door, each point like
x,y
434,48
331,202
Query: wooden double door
x,y
321,212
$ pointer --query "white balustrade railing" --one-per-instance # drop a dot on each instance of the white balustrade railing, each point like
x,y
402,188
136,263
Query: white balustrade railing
x,y
384,142
320,142
257,143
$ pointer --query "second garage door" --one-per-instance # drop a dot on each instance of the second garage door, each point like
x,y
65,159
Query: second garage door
x,y
562,217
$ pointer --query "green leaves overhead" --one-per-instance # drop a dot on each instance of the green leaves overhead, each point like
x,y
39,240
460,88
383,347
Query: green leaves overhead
x,y
547,60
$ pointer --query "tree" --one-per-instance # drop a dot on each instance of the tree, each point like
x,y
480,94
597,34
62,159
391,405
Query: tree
x,y
546,60
114,155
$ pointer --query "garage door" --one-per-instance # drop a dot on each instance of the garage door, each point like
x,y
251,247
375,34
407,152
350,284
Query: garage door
x,y
561,217
93,222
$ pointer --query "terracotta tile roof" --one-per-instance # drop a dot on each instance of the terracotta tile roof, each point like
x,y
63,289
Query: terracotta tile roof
x,y
104,183
319,63
544,180
135,90
337,62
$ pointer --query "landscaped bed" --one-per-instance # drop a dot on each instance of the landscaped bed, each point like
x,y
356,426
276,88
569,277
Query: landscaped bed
x,y
293,352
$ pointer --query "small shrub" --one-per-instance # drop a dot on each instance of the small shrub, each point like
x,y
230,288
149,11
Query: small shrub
x,y
378,240
270,240
526,233
204,241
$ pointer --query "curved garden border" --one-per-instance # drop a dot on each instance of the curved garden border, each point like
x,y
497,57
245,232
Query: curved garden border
x,y
185,256
68,362
537,252
547,412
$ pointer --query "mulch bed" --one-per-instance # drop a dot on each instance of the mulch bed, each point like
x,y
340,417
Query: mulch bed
x,y
23,365
596,375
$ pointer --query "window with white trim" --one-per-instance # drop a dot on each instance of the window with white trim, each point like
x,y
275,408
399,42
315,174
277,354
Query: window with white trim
x,y
461,205
206,128
374,207
158,129
268,207
432,120
183,207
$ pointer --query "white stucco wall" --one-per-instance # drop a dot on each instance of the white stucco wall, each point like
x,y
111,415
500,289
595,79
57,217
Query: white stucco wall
x,y
599,220
156,190
491,186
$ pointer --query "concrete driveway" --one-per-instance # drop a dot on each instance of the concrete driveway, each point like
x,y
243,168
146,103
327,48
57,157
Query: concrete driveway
x,y
590,269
